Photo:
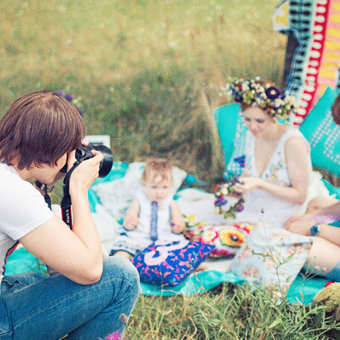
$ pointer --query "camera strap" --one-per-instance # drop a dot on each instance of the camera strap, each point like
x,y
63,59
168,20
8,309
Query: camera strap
x,y
46,189
66,200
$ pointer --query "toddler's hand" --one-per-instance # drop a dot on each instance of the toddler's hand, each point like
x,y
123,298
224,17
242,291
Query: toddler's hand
x,y
131,222
177,227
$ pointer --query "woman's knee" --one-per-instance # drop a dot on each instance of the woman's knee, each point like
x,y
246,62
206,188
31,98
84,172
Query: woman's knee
x,y
120,267
323,256
319,203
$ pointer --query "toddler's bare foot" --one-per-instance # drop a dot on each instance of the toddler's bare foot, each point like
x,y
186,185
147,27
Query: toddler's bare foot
x,y
123,254
201,268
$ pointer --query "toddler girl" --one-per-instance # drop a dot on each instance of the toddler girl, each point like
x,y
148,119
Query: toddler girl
x,y
153,215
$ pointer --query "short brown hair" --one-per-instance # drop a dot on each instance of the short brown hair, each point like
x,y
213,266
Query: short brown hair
x,y
39,128
157,167
336,110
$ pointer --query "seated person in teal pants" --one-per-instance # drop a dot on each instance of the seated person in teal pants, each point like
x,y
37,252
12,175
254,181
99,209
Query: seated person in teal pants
x,y
322,220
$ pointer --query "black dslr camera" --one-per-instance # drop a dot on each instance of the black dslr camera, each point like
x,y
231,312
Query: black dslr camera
x,y
84,152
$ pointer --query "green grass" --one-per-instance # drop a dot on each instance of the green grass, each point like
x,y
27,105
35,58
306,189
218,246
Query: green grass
x,y
148,73
229,312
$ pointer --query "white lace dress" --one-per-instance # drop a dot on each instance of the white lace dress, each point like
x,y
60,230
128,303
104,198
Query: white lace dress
x,y
276,211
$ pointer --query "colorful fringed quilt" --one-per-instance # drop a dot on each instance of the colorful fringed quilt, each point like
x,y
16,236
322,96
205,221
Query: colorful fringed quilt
x,y
315,24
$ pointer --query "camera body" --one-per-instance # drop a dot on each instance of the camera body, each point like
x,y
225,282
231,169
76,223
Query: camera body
x,y
85,152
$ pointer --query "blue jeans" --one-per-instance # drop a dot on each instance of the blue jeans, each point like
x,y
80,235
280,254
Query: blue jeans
x,y
35,306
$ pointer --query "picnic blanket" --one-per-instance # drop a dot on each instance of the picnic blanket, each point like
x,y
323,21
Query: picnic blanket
x,y
116,190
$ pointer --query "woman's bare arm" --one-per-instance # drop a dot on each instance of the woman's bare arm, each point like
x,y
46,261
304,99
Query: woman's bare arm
x,y
75,253
297,156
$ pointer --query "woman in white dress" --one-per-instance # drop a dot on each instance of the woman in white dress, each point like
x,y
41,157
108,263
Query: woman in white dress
x,y
277,169
274,185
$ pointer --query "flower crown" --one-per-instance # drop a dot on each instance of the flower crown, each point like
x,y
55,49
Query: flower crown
x,y
262,94
221,192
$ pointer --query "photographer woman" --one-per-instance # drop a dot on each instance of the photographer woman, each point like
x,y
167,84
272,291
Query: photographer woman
x,y
91,297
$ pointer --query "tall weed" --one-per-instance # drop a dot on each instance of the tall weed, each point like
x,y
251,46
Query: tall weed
x,y
229,312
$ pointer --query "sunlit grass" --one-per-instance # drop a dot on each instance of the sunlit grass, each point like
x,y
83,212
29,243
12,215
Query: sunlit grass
x,y
228,312
147,71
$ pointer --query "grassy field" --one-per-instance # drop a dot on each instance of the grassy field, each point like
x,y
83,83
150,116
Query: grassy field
x,y
148,73
229,312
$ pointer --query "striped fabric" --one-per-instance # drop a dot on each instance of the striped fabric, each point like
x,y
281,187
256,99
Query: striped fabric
x,y
315,66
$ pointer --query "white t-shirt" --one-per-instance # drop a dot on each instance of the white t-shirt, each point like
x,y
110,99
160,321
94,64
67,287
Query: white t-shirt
x,y
22,209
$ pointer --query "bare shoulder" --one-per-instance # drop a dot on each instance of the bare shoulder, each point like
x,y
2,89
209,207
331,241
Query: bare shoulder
x,y
296,144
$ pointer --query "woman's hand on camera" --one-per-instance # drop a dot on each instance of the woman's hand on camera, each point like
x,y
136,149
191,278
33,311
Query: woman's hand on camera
x,y
71,156
84,175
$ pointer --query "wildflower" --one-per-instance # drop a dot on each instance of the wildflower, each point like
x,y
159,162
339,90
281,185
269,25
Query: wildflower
x,y
113,336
